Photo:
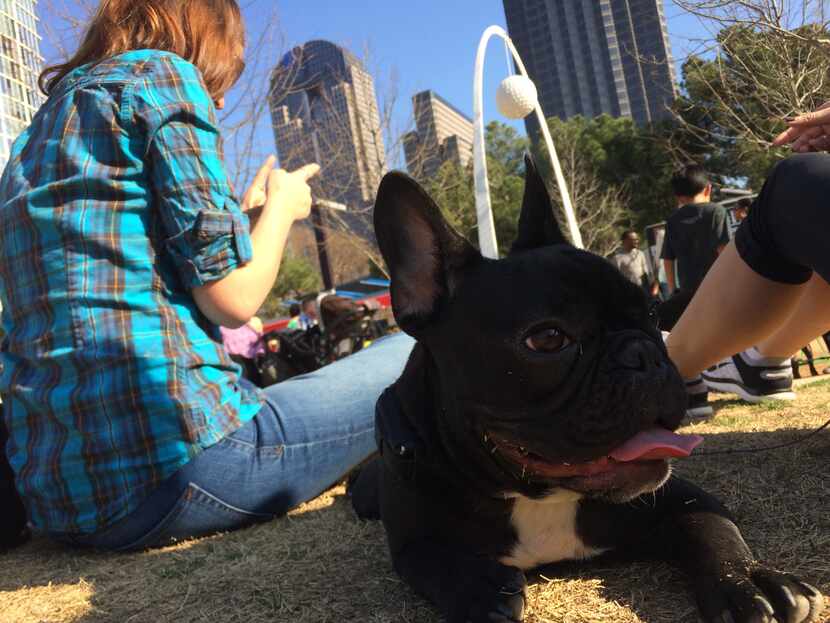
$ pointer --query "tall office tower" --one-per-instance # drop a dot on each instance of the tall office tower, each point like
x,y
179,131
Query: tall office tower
x,y
20,65
324,110
442,133
589,57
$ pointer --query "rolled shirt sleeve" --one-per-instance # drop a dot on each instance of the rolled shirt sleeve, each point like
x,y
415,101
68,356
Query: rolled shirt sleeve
x,y
206,233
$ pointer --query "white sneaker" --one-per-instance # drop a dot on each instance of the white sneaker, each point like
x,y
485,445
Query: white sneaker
x,y
752,378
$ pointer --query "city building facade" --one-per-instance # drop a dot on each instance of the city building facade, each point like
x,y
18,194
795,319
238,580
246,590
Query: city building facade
x,y
443,133
20,65
593,57
324,110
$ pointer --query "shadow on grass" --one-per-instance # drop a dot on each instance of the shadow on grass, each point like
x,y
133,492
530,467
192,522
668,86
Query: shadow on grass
x,y
322,564
318,565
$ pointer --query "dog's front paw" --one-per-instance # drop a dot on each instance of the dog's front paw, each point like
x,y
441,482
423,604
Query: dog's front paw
x,y
759,595
490,592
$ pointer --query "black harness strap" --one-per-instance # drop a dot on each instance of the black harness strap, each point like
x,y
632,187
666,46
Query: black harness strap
x,y
398,442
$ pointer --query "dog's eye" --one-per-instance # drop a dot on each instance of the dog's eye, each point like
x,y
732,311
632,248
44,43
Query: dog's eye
x,y
547,341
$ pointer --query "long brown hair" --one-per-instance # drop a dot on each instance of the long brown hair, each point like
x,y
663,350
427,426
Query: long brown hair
x,y
208,33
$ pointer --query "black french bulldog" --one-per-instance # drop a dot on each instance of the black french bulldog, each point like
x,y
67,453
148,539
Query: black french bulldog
x,y
533,424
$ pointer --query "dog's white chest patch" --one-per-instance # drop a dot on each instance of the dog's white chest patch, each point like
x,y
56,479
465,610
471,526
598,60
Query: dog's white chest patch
x,y
546,531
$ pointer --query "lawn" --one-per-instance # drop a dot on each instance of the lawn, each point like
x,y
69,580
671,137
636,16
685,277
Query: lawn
x,y
321,564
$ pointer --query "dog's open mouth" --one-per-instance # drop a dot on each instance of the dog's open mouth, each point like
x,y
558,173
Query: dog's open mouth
x,y
645,448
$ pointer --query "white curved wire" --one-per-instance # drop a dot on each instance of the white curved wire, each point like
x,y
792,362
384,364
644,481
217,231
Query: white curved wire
x,y
484,213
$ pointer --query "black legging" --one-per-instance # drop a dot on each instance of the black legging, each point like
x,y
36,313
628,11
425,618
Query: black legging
x,y
785,236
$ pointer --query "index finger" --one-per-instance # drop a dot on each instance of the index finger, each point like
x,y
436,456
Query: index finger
x,y
820,116
798,134
264,170
308,171
787,136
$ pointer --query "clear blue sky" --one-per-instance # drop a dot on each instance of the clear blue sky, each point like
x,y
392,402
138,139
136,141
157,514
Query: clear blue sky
x,y
429,44
432,46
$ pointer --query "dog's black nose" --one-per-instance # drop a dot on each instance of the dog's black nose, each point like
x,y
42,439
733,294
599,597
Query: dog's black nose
x,y
637,353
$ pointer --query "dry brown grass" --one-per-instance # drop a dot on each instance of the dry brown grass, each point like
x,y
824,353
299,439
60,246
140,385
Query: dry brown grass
x,y
320,564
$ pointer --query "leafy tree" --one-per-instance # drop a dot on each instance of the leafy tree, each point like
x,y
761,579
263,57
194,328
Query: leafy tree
x,y
297,274
626,167
735,103
452,187
613,170
452,190
600,207
618,176
505,148
505,170
635,160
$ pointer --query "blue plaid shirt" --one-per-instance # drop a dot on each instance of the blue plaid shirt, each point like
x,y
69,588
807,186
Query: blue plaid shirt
x,y
114,204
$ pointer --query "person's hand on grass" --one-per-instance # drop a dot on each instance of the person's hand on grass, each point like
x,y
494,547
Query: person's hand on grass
x,y
807,132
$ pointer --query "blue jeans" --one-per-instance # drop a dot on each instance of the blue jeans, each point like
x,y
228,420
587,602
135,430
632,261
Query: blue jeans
x,y
311,431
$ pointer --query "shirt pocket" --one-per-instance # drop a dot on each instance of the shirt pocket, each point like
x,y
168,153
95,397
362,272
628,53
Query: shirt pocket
x,y
217,243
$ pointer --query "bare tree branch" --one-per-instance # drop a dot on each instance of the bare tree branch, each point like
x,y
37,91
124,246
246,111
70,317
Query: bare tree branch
x,y
772,62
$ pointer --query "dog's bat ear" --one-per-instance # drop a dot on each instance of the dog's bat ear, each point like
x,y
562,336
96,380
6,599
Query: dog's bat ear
x,y
423,253
538,226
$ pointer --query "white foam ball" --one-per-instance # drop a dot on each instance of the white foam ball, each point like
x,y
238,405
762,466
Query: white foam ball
x,y
516,97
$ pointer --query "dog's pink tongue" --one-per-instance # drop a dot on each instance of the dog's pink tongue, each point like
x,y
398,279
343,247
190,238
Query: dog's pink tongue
x,y
656,443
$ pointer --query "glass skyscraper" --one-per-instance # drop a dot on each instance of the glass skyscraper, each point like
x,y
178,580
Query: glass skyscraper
x,y
442,133
20,65
589,57
324,110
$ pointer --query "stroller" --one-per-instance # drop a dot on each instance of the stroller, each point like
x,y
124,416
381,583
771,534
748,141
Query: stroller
x,y
345,328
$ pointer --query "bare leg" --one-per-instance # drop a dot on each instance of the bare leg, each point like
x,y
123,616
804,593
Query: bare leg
x,y
810,319
733,309
784,237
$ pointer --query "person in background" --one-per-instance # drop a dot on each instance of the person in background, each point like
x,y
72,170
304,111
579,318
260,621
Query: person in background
x,y
244,345
309,316
632,263
294,315
742,209
696,233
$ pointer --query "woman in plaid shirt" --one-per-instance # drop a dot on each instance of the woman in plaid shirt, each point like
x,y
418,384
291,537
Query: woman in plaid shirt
x,y
122,251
